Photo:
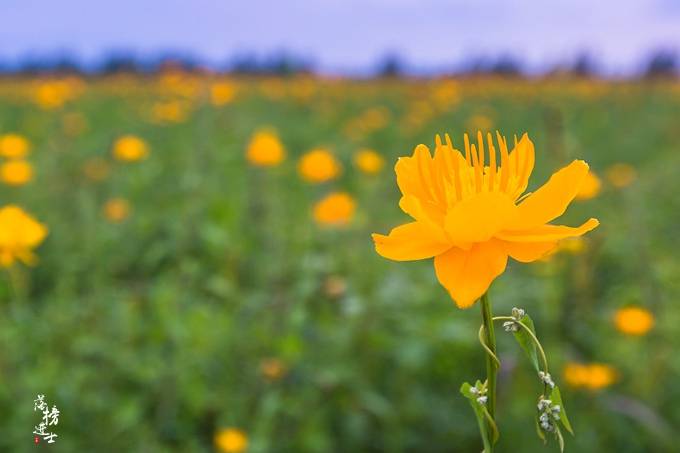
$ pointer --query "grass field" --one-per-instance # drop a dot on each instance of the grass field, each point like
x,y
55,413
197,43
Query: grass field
x,y
206,295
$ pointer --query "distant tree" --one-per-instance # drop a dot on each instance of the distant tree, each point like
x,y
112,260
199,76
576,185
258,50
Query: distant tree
x,y
506,66
119,62
584,66
391,66
67,64
663,63
175,60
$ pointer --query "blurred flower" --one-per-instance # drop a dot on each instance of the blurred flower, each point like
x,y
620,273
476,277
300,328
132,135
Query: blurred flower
x,y
169,112
96,169
335,209
14,146
621,175
74,124
52,95
369,161
273,88
592,376
231,440
480,122
633,320
590,187
265,149
375,118
272,369
116,210
319,165
466,212
222,93
446,94
16,172
19,235
575,246
335,286
130,148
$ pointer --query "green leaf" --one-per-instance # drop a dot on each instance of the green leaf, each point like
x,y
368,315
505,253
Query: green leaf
x,y
526,342
560,439
556,398
479,414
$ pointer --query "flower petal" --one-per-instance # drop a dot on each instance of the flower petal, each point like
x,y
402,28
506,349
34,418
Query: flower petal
x,y
479,217
552,199
521,162
526,252
411,241
548,233
468,274
415,175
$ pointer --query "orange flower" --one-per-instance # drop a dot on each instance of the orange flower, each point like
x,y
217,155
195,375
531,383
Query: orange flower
x,y
590,187
16,172
19,235
369,161
319,165
470,215
14,146
265,149
222,93
116,210
335,209
129,148
231,440
621,175
592,376
96,169
272,369
633,320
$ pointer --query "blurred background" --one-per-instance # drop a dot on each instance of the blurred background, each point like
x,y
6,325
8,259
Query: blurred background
x,y
188,191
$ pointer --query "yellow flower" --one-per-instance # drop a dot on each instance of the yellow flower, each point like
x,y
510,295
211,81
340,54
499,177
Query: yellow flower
x,y
14,146
19,235
634,320
265,149
272,369
621,175
575,246
222,93
470,214
169,112
319,165
335,286
592,376
130,148
96,169
369,161
16,172
481,122
335,209
231,440
116,210
590,187
52,95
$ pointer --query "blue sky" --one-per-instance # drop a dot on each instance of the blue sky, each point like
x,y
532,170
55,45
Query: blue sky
x,y
342,35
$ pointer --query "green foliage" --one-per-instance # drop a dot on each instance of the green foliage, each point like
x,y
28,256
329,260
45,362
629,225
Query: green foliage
x,y
151,334
526,342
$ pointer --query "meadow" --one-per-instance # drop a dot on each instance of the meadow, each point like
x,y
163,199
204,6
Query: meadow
x,y
190,286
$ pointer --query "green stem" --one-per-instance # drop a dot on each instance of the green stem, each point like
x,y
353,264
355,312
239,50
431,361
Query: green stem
x,y
491,366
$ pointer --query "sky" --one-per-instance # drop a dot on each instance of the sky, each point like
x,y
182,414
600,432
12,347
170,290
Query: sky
x,y
346,35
